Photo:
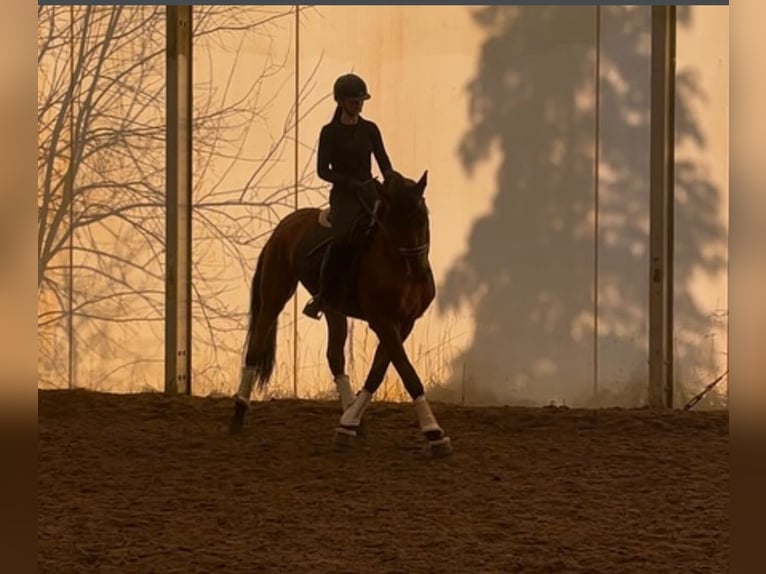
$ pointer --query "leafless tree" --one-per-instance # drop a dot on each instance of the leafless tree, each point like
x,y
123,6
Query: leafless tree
x,y
101,172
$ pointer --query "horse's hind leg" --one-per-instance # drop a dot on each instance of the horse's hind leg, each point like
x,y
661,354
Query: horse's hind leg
x,y
337,331
273,285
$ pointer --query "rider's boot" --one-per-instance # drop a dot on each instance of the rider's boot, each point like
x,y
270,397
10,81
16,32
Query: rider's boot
x,y
315,307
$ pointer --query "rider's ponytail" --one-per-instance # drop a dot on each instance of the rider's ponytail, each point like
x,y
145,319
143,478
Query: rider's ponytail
x,y
336,115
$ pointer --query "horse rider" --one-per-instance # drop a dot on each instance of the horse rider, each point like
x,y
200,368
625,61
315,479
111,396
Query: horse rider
x,y
346,145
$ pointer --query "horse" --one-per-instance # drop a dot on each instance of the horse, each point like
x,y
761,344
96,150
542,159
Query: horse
x,y
392,286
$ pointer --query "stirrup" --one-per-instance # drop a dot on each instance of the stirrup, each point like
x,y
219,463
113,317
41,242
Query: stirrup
x,y
313,308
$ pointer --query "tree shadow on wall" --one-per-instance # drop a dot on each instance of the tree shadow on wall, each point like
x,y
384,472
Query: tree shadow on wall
x,y
528,272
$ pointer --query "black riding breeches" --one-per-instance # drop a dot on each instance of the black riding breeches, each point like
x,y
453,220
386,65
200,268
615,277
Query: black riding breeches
x,y
350,207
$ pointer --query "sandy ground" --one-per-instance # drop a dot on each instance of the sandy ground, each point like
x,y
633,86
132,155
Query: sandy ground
x,y
146,483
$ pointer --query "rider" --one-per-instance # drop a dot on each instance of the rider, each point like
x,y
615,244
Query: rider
x,y
343,159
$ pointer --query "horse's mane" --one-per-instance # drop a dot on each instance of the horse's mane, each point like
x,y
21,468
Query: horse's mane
x,y
394,184
396,191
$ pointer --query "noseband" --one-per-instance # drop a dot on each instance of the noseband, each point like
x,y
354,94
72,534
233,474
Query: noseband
x,y
414,251
403,251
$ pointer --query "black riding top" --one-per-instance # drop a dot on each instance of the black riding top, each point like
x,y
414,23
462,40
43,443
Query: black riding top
x,y
345,150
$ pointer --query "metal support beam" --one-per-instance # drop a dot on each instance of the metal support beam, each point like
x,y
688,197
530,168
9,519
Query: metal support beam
x,y
661,232
179,201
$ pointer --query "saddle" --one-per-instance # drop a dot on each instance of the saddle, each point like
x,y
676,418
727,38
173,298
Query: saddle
x,y
364,221
360,230
345,259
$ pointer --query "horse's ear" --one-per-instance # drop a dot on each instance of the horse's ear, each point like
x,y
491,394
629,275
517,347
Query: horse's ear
x,y
422,182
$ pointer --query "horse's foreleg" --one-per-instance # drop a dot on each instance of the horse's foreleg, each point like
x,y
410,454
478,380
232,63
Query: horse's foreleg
x,y
337,331
381,361
391,338
352,417
352,414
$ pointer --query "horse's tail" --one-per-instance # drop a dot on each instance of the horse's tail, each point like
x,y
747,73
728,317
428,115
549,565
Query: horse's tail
x,y
261,358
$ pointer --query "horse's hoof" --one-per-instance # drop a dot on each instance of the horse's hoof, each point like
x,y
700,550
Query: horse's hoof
x,y
440,448
344,437
238,418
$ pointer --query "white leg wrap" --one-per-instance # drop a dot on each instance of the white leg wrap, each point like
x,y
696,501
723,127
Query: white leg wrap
x,y
352,416
426,417
345,393
246,385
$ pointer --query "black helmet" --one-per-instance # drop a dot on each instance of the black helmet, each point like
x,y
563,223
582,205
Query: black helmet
x,y
350,86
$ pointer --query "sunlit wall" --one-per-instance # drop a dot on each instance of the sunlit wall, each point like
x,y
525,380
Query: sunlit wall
x,y
534,126
101,100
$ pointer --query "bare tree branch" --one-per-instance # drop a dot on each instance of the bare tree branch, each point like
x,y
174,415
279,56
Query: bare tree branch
x,y
101,157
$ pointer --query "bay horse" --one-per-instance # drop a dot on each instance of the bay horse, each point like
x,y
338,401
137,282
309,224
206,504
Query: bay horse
x,y
391,289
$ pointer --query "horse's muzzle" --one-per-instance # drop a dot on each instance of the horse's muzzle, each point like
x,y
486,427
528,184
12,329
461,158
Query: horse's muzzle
x,y
416,262
418,269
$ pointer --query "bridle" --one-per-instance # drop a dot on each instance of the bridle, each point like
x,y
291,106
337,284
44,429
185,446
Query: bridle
x,y
405,252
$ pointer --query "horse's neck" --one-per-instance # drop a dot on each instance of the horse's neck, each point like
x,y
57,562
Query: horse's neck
x,y
382,245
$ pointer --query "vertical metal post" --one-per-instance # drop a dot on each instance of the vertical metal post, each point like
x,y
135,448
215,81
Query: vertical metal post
x,y
661,232
295,183
596,190
70,185
179,201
